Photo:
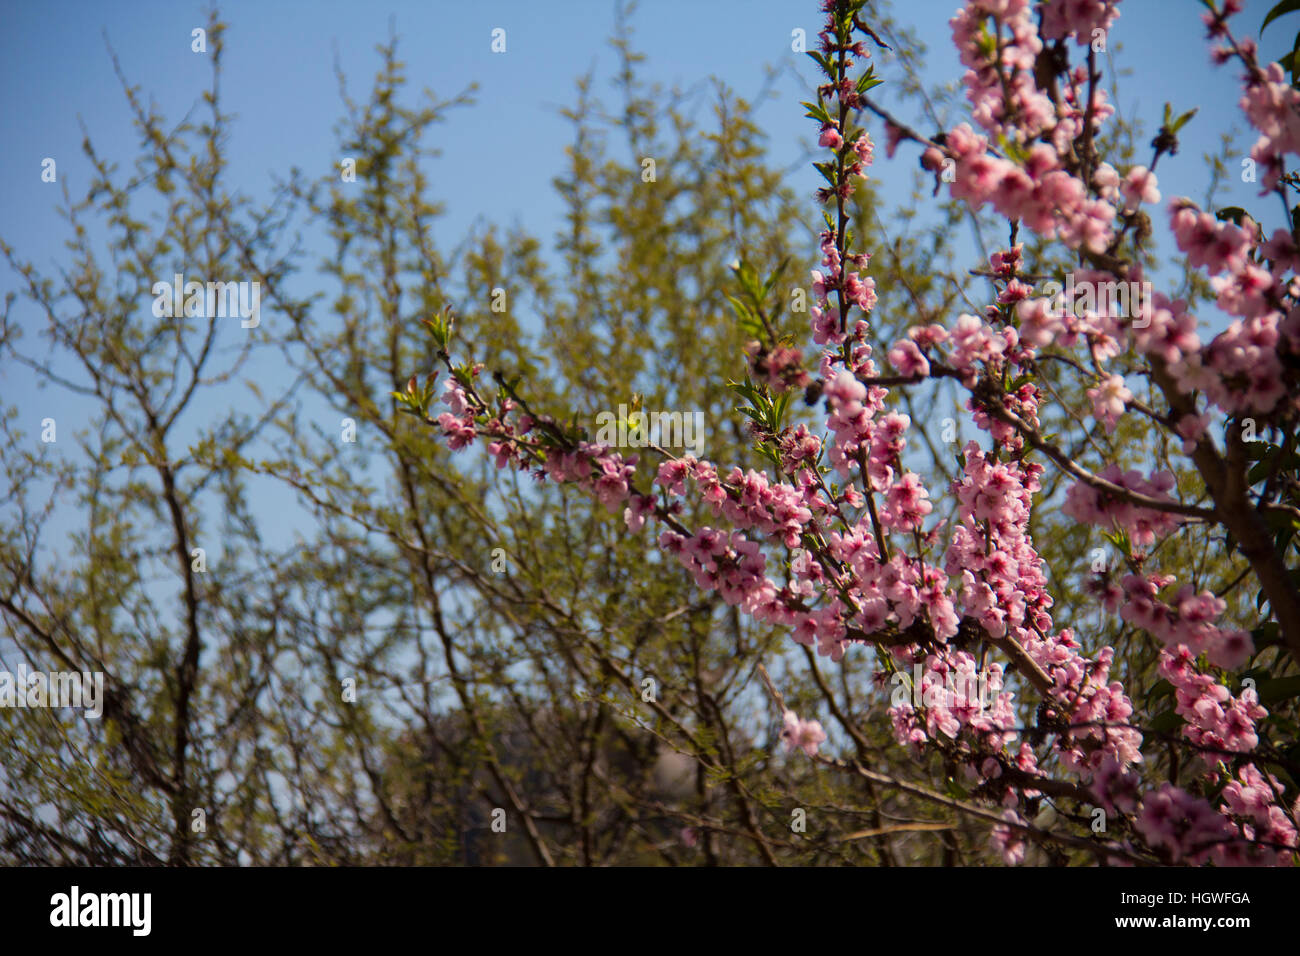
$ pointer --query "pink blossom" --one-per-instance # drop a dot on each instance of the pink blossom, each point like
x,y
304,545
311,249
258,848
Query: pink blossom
x,y
1140,187
1109,399
805,735
908,359
1009,841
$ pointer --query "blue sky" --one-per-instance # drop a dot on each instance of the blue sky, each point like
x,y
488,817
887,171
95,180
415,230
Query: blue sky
x,y
498,157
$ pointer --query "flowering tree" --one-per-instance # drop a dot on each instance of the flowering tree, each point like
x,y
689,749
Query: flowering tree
x,y
842,544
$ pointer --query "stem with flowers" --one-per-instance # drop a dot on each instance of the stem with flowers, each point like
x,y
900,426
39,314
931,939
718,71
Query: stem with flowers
x,y
861,557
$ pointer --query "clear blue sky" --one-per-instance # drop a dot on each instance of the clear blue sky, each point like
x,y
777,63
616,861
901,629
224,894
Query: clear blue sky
x,y
500,156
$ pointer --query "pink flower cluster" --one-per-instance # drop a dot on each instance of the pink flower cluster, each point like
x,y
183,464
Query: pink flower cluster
x,y
950,703
780,369
861,155
908,359
1089,505
1188,829
1209,244
1273,107
1007,103
1102,315
1078,18
1249,371
597,468
1241,370
973,341
799,448
1165,330
1139,186
460,430
1009,841
853,408
1215,719
1003,584
1001,60
1043,195
860,152
898,591
805,735
1096,707
1185,828
1109,399
1252,798
857,290
747,499
730,564
1189,620
1001,90
1005,590
1023,403
457,424
906,504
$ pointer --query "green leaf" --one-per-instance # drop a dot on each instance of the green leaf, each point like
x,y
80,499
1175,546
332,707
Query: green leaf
x,y
778,410
1266,632
817,112
775,277
1283,8
744,389
1012,150
1161,688
1259,450
1232,214
868,80
1282,522
769,454
822,61
1166,722
1183,120
1257,674
743,312
1279,688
